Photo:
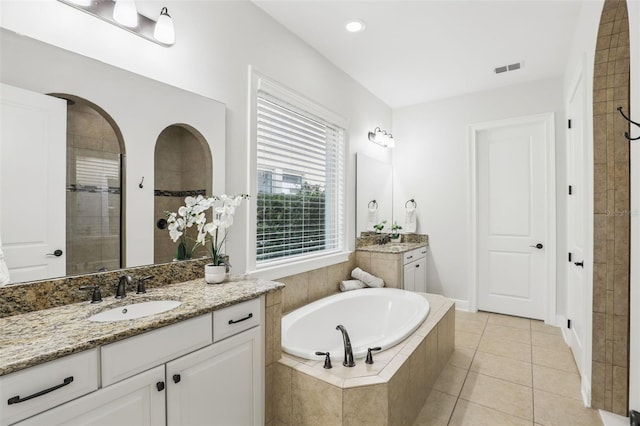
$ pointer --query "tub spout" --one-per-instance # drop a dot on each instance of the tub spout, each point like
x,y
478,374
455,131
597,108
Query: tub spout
x,y
348,352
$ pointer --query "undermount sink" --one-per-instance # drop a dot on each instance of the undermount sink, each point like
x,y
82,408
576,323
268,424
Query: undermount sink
x,y
396,248
135,310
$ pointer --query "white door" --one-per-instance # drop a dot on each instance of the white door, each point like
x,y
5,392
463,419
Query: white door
x,y
137,401
512,218
576,225
32,182
218,385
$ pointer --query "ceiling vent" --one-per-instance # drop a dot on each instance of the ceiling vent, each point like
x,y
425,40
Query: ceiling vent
x,y
510,67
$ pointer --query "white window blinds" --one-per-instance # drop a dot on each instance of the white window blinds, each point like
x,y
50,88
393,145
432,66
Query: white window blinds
x,y
300,183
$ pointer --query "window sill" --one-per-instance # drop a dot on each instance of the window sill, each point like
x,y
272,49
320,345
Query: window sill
x,y
304,265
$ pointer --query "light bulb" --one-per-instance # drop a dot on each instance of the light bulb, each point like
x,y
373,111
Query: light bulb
x,y
125,13
164,31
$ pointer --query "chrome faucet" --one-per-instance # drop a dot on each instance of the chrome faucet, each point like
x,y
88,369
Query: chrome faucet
x,y
348,352
121,288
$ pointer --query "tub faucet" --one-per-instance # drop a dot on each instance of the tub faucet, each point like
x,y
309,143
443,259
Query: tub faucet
x,y
348,352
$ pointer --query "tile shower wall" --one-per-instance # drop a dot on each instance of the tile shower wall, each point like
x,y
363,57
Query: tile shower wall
x,y
93,192
609,385
182,168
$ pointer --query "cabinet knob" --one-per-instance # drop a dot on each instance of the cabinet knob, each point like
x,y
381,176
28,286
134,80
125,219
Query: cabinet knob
x,y
176,378
160,386
418,265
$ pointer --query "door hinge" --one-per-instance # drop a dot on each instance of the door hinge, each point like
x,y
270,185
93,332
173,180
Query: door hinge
x,y
570,189
569,123
568,323
570,256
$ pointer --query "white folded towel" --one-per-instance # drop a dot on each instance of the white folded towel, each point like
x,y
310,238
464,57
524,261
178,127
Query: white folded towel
x,y
4,271
367,278
347,285
410,219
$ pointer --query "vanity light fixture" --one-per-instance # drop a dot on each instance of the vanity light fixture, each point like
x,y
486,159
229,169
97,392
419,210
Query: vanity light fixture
x,y
355,26
382,138
124,14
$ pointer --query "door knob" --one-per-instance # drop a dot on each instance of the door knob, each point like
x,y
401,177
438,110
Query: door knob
x,y
539,246
56,253
580,264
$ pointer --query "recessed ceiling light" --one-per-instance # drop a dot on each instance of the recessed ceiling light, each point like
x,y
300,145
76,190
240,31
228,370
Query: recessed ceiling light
x,y
355,26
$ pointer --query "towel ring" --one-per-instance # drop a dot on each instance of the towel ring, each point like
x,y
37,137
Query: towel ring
x,y
412,201
375,204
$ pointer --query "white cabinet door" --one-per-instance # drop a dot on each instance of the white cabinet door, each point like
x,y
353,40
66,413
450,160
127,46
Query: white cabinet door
x,y
409,276
420,275
137,401
218,385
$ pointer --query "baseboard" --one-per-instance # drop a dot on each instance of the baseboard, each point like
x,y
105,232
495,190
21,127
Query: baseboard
x,y
561,321
461,305
585,390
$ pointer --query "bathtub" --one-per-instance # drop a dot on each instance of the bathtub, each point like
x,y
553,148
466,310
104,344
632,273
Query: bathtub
x,y
372,316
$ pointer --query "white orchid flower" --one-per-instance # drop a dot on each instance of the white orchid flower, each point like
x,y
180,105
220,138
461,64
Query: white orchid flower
x,y
174,234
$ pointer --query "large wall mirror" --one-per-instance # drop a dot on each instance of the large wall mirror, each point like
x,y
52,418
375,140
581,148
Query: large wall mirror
x,y
374,193
103,195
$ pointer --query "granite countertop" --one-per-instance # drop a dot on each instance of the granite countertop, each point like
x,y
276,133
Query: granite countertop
x,y
392,247
40,336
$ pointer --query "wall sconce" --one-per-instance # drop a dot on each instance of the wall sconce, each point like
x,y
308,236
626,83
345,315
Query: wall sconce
x,y
124,14
382,138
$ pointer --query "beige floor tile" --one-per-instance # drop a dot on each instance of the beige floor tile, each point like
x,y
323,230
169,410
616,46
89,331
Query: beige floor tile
x,y
541,327
558,359
462,358
472,316
556,381
502,368
437,410
552,410
500,395
469,413
505,332
469,326
467,340
549,341
510,321
450,380
508,349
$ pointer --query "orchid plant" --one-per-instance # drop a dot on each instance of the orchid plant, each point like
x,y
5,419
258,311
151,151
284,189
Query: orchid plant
x,y
210,235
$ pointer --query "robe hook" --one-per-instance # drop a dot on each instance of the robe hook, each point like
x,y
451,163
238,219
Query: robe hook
x,y
626,134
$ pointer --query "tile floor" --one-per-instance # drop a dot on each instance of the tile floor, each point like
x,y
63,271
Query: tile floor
x,y
507,371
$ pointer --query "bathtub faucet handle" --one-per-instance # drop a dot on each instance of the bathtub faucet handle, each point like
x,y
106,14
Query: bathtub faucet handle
x,y
327,359
369,359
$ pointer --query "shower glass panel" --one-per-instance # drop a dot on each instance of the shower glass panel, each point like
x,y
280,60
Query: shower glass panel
x,y
94,201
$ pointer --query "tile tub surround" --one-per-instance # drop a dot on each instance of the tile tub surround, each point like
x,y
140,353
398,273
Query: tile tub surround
x,y
392,391
40,336
611,220
36,295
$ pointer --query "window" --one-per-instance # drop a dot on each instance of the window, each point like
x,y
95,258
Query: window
x,y
300,182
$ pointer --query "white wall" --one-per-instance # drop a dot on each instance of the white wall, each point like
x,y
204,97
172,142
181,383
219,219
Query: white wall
x,y
431,165
216,43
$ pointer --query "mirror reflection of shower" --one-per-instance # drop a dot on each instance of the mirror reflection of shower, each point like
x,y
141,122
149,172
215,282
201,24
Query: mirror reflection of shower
x,y
183,167
93,188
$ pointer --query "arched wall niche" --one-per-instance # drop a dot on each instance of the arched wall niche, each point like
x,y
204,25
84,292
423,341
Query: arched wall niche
x,y
183,166
94,188
612,229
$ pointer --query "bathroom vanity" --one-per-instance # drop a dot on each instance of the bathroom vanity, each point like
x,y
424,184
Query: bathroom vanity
x,y
400,265
199,363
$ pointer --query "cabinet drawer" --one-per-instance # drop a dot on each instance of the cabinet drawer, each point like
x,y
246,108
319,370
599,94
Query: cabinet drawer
x,y
64,378
413,255
236,318
133,355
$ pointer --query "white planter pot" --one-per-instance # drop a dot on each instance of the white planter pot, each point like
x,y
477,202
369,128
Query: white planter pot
x,y
215,274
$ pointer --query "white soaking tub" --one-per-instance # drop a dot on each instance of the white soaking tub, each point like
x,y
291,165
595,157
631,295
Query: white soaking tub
x,y
372,316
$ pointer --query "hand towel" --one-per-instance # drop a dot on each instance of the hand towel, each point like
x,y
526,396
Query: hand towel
x,y
367,278
410,219
347,285
4,271
372,217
